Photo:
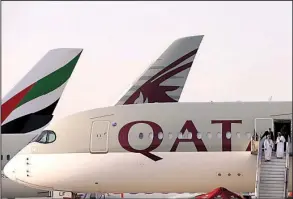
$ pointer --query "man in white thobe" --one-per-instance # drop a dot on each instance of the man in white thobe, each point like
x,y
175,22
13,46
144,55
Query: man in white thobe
x,y
280,145
268,145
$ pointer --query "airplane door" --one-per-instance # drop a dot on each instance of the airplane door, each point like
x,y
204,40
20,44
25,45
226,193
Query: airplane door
x,y
99,137
263,124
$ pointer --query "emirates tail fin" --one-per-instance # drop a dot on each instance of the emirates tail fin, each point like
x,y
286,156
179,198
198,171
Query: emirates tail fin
x,y
30,104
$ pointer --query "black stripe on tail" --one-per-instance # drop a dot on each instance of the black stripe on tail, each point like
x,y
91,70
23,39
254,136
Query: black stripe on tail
x,y
30,122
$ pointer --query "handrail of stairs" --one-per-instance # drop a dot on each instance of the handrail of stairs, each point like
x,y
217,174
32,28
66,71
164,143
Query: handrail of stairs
x,y
286,170
258,164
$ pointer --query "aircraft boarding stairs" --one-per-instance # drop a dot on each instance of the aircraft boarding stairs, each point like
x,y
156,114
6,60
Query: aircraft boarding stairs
x,y
272,176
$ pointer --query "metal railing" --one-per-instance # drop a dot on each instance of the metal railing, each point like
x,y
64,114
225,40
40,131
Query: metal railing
x,y
286,170
258,165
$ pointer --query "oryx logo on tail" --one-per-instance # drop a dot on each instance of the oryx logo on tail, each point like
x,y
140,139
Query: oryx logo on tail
x,y
154,91
164,80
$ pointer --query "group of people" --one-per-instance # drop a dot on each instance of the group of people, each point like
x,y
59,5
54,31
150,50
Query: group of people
x,y
269,145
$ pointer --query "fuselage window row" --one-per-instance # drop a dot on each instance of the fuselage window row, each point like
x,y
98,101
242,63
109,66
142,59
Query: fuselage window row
x,y
199,135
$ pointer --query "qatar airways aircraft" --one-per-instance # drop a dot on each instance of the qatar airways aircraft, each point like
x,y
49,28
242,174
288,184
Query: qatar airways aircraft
x,y
29,107
152,147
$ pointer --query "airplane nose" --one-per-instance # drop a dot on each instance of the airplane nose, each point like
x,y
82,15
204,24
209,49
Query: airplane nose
x,y
15,168
19,169
9,170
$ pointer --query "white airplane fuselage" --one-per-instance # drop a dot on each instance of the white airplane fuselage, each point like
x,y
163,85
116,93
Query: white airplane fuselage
x,y
171,147
11,145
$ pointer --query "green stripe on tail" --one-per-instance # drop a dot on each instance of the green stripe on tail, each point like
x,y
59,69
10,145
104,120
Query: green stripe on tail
x,y
51,81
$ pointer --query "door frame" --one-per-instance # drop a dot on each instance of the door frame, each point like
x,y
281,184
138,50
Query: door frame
x,y
94,134
258,119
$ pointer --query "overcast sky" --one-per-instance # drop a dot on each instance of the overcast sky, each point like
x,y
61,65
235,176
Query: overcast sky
x,y
246,53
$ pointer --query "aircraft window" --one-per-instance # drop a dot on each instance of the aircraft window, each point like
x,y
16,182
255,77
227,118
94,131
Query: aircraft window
x,y
219,135
189,135
209,135
228,135
140,135
238,134
151,136
8,157
39,138
46,137
170,135
199,135
161,135
51,137
43,139
1,157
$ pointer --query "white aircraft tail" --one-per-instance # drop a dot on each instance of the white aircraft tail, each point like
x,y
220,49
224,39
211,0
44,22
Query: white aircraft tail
x,y
30,104
164,80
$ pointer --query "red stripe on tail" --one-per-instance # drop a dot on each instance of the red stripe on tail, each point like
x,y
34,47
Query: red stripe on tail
x,y
12,103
